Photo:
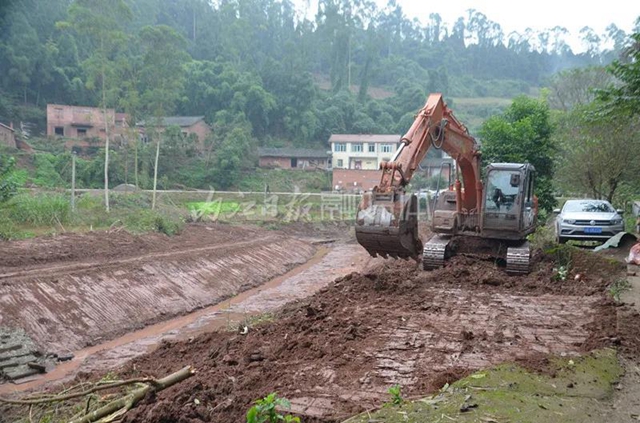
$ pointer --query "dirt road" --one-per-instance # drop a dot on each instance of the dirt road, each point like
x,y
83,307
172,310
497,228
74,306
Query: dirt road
x,y
339,351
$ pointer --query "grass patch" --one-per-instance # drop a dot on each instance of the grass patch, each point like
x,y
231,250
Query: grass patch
x,y
511,393
213,207
39,209
285,180
617,288
28,215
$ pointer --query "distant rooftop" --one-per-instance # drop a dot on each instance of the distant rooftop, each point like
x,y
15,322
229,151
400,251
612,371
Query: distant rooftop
x,y
380,138
302,153
181,121
8,127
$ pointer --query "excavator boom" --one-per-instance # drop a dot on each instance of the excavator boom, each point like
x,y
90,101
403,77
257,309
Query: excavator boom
x,y
387,223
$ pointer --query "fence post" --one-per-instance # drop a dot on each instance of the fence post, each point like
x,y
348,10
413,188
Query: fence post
x,y
73,181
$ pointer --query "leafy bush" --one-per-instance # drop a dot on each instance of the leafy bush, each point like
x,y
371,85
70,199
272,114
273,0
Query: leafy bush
x,y
8,183
543,238
265,411
46,173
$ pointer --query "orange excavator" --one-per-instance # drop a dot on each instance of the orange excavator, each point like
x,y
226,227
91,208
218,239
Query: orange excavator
x,y
490,219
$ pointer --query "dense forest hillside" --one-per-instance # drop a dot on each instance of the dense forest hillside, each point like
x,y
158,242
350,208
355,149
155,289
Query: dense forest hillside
x,y
260,72
259,61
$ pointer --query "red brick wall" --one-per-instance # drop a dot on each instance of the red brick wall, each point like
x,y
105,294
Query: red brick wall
x,y
66,116
282,162
201,129
285,163
351,180
7,137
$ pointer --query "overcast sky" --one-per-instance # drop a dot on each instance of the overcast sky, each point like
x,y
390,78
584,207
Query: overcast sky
x,y
518,15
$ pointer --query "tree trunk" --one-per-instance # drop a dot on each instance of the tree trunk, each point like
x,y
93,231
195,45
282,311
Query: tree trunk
x,y
106,130
613,186
155,171
135,164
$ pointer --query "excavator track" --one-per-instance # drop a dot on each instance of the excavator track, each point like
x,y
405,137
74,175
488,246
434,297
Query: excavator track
x,y
518,259
434,252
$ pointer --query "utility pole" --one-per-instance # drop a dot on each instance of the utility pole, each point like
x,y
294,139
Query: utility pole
x,y
73,181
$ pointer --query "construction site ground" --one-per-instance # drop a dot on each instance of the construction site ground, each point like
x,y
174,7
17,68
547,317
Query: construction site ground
x,y
319,321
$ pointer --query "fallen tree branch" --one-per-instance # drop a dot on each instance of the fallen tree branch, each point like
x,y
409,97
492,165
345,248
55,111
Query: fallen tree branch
x,y
118,407
59,398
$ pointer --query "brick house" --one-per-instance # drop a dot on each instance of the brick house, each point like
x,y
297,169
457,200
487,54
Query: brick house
x,y
82,122
188,125
352,180
293,158
7,135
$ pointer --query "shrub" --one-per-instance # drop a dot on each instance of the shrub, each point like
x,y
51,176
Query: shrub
x,y
40,209
149,220
8,229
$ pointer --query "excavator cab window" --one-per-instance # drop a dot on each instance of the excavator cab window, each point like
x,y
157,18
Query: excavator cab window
x,y
502,189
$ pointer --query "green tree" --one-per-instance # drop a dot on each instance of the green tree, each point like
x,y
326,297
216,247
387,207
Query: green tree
x,y
101,22
228,164
523,134
162,77
594,154
8,185
623,97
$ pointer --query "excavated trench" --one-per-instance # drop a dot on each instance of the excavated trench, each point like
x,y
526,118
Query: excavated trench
x,y
70,295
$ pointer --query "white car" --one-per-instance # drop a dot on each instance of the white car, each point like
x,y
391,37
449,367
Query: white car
x,y
587,220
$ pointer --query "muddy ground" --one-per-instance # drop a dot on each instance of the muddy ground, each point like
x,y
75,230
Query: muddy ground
x,y
337,352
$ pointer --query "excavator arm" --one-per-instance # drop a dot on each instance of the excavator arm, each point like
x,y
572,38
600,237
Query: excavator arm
x,y
386,223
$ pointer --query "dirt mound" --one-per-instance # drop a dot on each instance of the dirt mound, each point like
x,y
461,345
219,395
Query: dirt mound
x,y
339,351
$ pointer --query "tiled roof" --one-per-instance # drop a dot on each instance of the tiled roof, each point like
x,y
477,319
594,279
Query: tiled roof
x,y
181,121
380,138
303,153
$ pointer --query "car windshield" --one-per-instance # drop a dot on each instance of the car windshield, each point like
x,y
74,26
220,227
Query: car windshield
x,y
588,206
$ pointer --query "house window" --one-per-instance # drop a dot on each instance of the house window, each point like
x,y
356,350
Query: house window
x,y
59,113
340,163
372,148
386,148
340,146
82,133
356,148
59,131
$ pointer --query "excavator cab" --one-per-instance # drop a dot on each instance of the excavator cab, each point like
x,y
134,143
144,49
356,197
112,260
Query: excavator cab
x,y
508,204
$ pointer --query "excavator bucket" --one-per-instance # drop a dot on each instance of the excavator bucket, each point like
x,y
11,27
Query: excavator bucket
x,y
387,225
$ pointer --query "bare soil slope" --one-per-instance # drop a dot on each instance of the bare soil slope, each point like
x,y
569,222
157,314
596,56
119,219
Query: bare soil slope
x,y
71,291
